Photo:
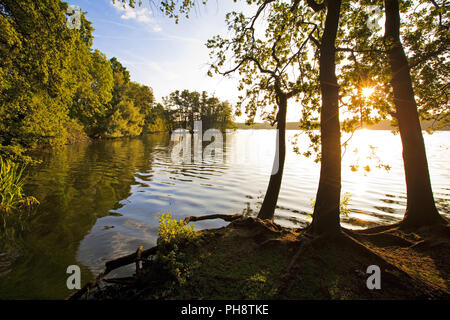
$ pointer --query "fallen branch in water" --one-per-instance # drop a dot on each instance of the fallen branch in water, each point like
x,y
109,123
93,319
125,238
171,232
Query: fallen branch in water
x,y
225,217
129,259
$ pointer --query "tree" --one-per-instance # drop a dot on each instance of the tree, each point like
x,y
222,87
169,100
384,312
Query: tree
x,y
420,208
265,64
159,120
326,210
54,88
326,218
382,64
90,102
182,108
131,107
426,42
37,86
126,120
121,80
143,98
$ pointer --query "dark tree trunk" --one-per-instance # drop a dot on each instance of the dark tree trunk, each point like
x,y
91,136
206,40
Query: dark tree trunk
x,y
191,123
420,208
326,209
267,210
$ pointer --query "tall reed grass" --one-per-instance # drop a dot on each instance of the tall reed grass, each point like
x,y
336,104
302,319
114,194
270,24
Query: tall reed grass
x,y
12,197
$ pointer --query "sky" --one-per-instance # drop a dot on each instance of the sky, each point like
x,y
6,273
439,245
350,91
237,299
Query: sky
x,y
157,52
162,54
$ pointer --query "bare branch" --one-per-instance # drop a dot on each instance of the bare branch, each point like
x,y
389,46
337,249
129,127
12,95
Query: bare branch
x,y
440,14
315,41
225,217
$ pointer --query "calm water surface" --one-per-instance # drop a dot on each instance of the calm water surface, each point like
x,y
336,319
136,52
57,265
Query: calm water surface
x,y
102,200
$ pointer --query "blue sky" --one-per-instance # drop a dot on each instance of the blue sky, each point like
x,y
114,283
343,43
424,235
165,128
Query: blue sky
x,y
159,53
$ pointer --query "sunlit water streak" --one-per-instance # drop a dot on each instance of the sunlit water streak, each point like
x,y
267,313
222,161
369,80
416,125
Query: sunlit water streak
x,y
102,200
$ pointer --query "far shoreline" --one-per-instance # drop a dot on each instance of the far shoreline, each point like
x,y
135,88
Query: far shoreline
x,y
383,125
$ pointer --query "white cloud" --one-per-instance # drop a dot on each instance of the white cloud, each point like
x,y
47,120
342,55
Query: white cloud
x,y
157,28
142,15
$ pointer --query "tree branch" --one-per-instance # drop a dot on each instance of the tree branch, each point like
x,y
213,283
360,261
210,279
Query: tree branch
x,y
440,14
360,50
253,59
415,61
225,217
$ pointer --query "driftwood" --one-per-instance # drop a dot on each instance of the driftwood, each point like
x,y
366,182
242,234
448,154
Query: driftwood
x,y
225,217
129,259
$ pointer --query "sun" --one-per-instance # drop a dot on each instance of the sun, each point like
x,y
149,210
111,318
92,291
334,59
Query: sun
x,y
367,91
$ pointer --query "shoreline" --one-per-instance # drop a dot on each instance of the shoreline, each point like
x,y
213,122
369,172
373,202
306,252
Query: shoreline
x,y
255,259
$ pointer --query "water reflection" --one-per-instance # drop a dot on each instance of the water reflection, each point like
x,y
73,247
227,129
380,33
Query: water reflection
x,y
76,186
102,200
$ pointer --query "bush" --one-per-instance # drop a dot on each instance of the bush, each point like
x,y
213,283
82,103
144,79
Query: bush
x,y
174,236
173,232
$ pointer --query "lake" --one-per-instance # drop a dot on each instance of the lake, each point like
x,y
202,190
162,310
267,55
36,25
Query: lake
x,y
101,200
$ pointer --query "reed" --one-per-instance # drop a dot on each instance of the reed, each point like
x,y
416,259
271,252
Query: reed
x,y
12,180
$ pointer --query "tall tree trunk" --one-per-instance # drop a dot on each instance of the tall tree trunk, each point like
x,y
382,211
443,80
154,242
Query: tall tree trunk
x,y
420,208
326,209
267,210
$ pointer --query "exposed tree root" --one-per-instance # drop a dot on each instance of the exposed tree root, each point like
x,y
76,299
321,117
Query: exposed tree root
x,y
406,226
428,235
384,238
380,229
129,259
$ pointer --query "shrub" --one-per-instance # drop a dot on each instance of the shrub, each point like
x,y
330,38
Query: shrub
x,y
174,236
173,232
